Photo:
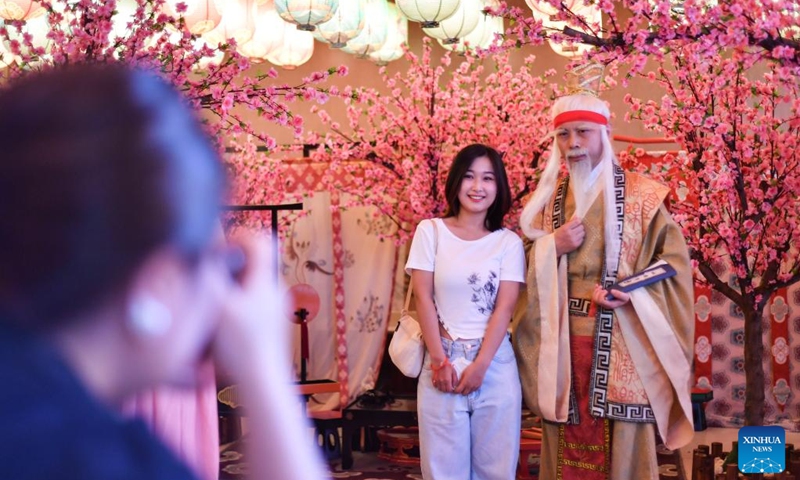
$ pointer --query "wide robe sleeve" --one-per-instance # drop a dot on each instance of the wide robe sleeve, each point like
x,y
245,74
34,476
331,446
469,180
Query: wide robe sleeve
x,y
527,331
658,326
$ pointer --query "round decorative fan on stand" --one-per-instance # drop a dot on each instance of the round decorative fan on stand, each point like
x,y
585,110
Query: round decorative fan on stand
x,y
302,306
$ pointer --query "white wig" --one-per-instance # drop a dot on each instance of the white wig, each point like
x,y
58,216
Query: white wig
x,y
579,107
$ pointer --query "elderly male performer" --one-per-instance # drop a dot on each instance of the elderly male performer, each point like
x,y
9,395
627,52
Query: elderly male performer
x,y
603,374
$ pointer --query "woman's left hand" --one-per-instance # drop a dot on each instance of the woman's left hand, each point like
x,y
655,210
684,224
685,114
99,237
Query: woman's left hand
x,y
471,379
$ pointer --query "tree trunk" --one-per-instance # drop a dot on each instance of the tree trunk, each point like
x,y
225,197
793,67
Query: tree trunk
x,y
753,365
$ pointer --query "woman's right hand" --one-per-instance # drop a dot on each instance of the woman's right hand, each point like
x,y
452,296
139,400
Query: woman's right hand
x,y
253,335
253,345
444,376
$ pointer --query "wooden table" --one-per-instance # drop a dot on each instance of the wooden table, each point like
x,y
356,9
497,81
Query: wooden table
x,y
310,387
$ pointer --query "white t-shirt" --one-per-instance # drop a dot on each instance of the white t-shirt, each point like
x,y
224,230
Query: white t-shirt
x,y
467,273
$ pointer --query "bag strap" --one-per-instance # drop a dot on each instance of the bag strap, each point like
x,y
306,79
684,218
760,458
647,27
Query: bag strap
x,y
435,239
435,249
408,300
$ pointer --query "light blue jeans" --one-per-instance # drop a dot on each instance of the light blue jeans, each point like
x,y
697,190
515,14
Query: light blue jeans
x,y
475,436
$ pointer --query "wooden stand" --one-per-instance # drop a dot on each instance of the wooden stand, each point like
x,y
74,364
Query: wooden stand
x,y
399,445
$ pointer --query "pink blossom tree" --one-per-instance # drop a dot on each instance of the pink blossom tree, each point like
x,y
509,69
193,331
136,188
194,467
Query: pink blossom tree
x,y
398,146
729,74
741,132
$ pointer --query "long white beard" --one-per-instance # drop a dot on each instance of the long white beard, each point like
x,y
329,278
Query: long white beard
x,y
583,193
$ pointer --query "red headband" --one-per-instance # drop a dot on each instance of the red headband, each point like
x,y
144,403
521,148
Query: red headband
x,y
579,115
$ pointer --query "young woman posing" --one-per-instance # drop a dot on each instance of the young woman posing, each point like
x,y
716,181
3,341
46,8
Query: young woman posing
x,y
466,271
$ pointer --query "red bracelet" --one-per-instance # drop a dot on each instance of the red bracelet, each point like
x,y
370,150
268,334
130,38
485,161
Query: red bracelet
x,y
445,363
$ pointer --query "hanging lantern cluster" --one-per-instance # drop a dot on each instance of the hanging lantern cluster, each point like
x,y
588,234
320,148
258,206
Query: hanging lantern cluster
x,y
283,32
448,21
277,31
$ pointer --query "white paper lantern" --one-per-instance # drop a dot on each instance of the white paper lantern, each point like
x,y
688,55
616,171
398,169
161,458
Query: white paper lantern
x,y
375,31
306,13
267,36
20,9
460,24
345,25
396,38
427,12
295,49
237,23
484,35
200,16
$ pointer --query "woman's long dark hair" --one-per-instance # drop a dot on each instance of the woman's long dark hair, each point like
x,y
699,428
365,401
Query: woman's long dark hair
x,y
100,166
462,163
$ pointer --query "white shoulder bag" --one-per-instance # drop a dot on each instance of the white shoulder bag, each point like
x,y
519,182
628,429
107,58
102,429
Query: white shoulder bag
x,y
407,348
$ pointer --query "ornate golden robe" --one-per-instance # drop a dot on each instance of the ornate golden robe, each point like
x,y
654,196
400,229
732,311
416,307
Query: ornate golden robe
x,y
641,353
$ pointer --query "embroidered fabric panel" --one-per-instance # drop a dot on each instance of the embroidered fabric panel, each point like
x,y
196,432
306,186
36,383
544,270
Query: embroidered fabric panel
x,y
559,214
602,362
625,386
573,415
588,457
605,317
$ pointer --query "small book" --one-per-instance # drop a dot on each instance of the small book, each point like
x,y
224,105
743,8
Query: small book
x,y
652,274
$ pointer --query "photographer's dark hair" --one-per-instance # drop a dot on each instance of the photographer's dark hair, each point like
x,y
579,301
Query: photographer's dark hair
x,y
101,166
462,163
